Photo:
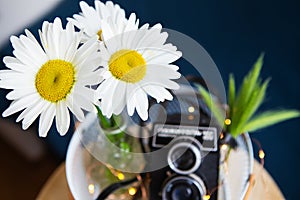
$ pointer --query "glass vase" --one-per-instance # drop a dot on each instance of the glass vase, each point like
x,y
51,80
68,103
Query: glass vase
x,y
104,156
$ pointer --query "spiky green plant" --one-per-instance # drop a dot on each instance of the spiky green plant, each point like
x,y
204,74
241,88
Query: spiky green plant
x,y
243,105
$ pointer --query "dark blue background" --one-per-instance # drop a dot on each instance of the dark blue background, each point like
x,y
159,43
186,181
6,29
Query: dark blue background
x,y
233,33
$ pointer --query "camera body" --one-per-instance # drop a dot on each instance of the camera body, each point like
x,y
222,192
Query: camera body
x,y
192,146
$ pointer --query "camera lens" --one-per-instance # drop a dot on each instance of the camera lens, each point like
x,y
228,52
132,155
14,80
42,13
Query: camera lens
x,y
183,191
184,157
183,188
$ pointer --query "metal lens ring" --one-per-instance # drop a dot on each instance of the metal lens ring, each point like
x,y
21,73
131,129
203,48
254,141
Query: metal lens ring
x,y
184,188
184,157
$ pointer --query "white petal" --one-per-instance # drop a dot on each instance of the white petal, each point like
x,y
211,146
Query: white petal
x,y
130,98
20,104
16,43
56,34
142,104
111,42
15,64
10,77
158,92
119,98
20,93
37,52
139,35
85,51
9,74
159,80
74,108
62,118
92,63
144,41
161,56
52,44
74,22
31,113
88,19
32,38
46,120
83,102
104,87
106,99
132,23
72,49
85,92
13,84
164,70
26,59
90,79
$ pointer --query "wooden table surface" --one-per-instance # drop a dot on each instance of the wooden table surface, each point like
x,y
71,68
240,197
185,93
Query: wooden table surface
x,y
264,187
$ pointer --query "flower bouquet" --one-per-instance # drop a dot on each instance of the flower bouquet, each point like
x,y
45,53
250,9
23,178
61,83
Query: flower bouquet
x,y
109,64
101,62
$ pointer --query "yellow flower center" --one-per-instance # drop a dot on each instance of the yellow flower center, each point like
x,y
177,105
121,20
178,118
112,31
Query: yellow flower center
x,y
127,65
55,80
100,35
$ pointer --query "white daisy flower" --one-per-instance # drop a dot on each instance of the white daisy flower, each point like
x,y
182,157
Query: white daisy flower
x,y
51,79
91,19
137,64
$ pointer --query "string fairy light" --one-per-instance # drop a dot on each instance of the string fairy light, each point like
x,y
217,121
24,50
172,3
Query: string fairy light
x,y
191,109
224,147
221,135
143,182
120,176
132,191
91,188
261,153
206,197
227,121
211,192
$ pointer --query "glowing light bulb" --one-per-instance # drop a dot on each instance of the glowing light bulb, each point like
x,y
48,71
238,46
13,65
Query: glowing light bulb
x,y
221,135
227,122
191,117
120,176
261,154
224,147
131,191
206,197
91,188
191,109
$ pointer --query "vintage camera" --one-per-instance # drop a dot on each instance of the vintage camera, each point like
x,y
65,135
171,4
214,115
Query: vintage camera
x,y
190,140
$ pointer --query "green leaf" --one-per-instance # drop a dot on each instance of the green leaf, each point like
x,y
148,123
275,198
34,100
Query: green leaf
x,y
231,94
244,104
256,99
246,91
269,118
217,112
252,77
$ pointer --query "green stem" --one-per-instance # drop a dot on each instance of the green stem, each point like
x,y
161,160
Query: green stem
x,y
111,123
104,121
